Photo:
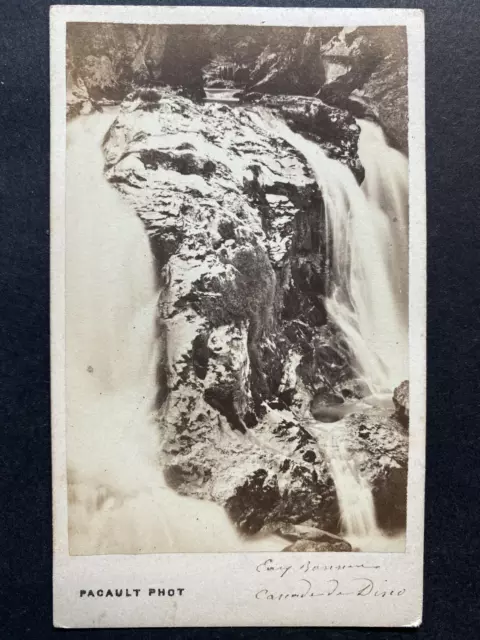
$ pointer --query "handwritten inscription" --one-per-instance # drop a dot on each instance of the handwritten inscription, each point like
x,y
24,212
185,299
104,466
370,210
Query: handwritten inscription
x,y
307,587
274,568
354,587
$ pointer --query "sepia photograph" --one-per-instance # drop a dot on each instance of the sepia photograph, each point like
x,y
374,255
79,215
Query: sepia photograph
x,y
238,315
236,288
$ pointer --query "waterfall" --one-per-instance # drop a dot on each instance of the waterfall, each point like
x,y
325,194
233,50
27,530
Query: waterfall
x,y
355,497
386,184
118,500
368,228
368,288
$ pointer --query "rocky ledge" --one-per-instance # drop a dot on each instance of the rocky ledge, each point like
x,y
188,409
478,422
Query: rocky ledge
x,y
236,223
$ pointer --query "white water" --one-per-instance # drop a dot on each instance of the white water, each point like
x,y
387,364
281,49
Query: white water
x,y
358,519
358,522
386,185
118,501
368,227
226,96
354,496
368,264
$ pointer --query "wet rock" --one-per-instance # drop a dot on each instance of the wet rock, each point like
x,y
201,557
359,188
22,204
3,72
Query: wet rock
x,y
304,546
402,404
333,128
235,220
303,531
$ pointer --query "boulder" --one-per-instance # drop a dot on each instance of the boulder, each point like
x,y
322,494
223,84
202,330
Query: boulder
x,y
304,546
235,220
303,531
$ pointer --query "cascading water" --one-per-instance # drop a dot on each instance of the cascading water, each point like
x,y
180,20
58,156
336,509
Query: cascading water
x,y
386,184
368,227
118,501
368,301
354,495
367,258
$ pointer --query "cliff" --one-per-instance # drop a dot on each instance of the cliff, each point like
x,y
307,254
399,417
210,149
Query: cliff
x,y
363,70
371,78
105,61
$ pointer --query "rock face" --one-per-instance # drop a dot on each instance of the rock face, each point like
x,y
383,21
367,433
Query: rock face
x,y
291,62
402,403
104,61
237,226
371,78
364,69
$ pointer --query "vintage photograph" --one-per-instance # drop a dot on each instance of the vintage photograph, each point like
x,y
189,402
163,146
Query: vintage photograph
x,y
236,288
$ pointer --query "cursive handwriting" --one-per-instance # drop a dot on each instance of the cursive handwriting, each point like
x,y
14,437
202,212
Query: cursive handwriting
x,y
360,587
274,568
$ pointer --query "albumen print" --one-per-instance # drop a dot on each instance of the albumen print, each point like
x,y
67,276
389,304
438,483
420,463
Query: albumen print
x,y
236,255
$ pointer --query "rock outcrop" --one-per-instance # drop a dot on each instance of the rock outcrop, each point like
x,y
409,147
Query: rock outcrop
x,y
334,129
304,546
105,61
402,403
237,226
362,69
371,78
291,62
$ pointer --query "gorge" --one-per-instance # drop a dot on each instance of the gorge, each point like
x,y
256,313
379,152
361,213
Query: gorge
x,y
237,318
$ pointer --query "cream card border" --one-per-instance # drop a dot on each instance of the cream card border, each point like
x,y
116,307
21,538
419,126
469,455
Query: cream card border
x,y
221,589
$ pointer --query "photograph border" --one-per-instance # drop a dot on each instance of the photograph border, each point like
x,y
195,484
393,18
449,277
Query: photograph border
x,y
236,576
